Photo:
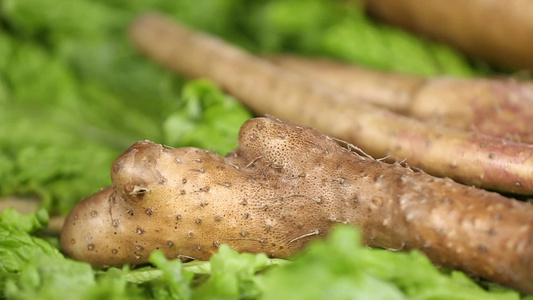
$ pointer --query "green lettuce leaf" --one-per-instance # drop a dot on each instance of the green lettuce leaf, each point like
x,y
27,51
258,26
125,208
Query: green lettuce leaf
x,y
17,246
50,277
209,119
233,275
341,30
342,268
29,223
113,285
174,282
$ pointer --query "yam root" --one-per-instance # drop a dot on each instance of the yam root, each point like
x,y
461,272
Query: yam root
x,y
497,107
283,186
500,32
470,158
393,91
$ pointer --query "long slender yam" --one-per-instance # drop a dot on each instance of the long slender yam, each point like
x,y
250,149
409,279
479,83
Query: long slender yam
x,y
497,107
284,185
498,31
393,91
267,89
502,108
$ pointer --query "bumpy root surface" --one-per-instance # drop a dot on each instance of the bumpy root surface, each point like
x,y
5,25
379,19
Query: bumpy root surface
x,y
283,186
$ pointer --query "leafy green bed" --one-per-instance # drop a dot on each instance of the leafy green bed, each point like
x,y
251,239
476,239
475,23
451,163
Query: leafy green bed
x,y
74,94
338,268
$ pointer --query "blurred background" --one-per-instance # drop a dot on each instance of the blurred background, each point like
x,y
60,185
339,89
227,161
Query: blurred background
x,y
74,93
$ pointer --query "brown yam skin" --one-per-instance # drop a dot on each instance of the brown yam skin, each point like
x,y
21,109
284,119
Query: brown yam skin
x,y
501,108
284,185
467,157
386,89
498,31
496,107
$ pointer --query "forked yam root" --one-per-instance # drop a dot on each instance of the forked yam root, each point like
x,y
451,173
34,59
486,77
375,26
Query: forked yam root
x,y
284,185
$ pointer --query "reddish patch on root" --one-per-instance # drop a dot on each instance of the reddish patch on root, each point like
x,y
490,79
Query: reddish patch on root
x,y
509,116
498,159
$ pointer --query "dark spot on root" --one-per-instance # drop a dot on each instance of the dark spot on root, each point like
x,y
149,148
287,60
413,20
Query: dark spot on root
x,y
170,243
377,201
198,221
118,166
94,213
447,201
140,230
148,211
115,223
138,191
139,248
190,234
216,244
218,218
178,217
339,180
73,241
114,251
492,155
90,247
226,184
483,249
